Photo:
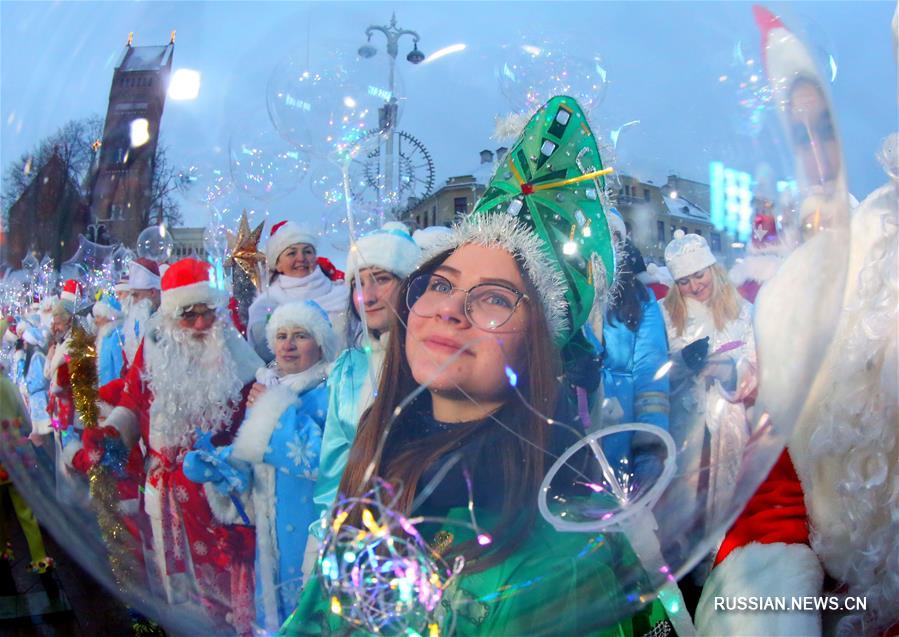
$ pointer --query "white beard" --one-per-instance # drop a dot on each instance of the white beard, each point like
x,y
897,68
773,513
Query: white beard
x,y
194,382
137,315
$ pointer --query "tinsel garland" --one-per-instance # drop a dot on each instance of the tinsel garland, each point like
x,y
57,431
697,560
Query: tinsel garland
x,y
103,487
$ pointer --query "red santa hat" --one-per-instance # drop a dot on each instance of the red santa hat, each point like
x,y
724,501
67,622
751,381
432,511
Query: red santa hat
x,y
189,282
143,274
284,235
764,231
71,290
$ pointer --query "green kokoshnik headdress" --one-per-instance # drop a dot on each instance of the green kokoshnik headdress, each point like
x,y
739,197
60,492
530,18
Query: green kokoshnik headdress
x,y
543,205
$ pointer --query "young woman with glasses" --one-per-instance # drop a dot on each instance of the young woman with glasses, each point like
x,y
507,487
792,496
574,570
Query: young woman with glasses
x,y
475,331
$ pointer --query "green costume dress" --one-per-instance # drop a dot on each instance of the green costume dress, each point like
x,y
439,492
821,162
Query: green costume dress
x,y
553,584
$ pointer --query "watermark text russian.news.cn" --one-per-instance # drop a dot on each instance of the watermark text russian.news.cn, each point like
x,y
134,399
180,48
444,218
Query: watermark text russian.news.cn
x,y
831,603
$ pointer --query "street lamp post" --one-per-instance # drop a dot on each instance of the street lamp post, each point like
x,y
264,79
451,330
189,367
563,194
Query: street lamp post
x,y
387,114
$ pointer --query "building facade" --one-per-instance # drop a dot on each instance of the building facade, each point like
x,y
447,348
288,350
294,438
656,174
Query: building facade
x,y
188,243
652,213
48,217
122,194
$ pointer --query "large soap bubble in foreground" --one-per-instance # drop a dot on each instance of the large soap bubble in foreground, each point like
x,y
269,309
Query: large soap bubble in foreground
x,y
634,483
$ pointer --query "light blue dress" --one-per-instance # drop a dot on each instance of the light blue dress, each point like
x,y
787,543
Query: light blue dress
x,y
37,385
109,355
351,390
270,469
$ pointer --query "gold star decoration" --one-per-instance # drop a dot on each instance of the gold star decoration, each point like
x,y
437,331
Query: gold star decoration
x,y
243,250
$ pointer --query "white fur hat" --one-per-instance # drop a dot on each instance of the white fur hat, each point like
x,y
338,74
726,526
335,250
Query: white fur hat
x,y
310,316
284,235
107,307
390,248
426,237
143,274
34,336
687,254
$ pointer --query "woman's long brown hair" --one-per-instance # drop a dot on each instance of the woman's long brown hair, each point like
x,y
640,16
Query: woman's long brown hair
x,y
521,456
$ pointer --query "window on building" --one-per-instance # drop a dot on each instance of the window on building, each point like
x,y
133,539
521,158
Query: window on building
x,y
716,242
699,231
684,228
460,206
660,229
646,194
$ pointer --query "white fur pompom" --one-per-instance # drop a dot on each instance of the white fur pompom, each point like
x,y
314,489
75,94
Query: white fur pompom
x,y
508,127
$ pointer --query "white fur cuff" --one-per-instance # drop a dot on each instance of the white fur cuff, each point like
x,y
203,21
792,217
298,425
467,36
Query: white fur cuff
x,y
125,422
754,573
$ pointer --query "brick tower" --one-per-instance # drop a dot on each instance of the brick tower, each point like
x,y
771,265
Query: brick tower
x,y
121,198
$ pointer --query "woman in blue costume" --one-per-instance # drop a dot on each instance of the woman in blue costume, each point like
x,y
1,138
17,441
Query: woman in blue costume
x,y
270,469
635,349
376,265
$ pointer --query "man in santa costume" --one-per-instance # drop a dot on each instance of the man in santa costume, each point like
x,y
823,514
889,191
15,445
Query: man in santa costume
x,y
142,301
189,380
825,520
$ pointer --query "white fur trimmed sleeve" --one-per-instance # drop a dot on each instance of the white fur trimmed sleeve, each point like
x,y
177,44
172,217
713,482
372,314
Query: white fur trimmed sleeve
x,y
126,423
753,574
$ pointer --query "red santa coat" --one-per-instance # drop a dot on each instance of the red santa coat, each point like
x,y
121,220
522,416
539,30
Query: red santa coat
x,y
60,405
180,530
835,513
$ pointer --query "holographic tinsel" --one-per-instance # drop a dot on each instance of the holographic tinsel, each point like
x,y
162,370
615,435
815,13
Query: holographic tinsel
x,y
103,487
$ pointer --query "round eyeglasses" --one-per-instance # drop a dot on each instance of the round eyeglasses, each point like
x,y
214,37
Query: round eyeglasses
x,y
487,305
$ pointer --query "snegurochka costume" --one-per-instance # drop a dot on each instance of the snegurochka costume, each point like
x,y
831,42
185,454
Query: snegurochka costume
x,y
272,465
543,206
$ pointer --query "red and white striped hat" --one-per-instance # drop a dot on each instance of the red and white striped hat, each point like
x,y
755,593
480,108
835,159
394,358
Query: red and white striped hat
x,y
71,290
186,283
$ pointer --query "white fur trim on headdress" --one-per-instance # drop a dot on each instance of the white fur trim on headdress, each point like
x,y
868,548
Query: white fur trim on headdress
x,y
506,232
310,316
140,278
285,235
425,237
102,309
187,295
687,254
390,248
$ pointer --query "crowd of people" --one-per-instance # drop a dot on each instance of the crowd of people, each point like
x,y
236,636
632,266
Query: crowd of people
x,y
437,365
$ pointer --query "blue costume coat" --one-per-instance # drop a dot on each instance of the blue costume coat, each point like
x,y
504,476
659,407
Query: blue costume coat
x,y
37,385
273,460
109,353
631,362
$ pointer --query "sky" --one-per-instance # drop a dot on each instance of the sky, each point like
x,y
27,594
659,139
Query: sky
x,y
663,64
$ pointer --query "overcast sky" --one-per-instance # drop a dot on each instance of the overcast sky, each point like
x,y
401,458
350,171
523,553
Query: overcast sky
x,y
663,63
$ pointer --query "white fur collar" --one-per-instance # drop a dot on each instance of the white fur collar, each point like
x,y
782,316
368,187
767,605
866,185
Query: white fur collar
x,y
256,431
317,287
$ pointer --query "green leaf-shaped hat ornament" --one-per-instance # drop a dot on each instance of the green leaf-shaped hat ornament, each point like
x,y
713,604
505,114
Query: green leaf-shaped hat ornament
x,y
550,182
